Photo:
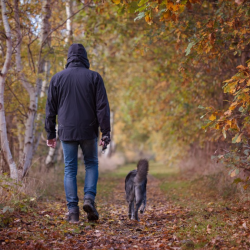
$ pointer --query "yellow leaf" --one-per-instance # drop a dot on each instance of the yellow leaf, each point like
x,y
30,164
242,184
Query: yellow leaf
x,y
235,125
239,138
166,15
116,1
231,87
241,68
229,122
212,117
148,19
170,5
233,105
246,90
229,80
217,126
233,173
175,8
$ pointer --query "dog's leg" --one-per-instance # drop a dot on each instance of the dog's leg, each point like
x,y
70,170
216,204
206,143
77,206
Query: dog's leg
x,y
142,209
136,212
138,201
130,204
132,210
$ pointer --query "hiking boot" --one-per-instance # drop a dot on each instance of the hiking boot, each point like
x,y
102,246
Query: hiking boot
x,y
73,215
89,207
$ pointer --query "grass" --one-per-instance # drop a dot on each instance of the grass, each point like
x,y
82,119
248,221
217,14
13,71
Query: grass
x,y
155,169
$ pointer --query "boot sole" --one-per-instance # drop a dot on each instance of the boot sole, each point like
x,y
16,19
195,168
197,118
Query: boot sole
x,y
91,214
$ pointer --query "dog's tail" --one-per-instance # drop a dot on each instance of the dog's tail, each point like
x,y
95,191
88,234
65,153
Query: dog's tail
x,y
142,170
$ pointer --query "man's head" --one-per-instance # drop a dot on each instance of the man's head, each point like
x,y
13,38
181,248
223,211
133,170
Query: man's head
x,y
77,53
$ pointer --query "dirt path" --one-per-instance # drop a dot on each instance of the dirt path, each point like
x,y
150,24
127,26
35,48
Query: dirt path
x,y
184,216
154,229
44,227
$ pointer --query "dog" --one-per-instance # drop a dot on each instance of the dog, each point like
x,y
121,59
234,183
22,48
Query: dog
x,y
135,188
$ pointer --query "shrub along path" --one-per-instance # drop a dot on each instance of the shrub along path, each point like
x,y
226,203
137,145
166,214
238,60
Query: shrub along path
x,y
178,216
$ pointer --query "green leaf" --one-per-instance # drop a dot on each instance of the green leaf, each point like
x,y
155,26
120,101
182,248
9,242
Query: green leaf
x,y
237,180
234,172
133,7
234,139
160,12
246,152
241,109
224,133
141,9
140,16
5,209
189,47
142,2
201,107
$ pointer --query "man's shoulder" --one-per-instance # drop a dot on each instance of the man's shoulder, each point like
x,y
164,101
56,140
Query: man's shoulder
x,y
92,72
65,72
95,74
58,74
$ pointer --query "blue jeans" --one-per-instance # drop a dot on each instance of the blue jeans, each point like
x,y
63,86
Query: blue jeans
x,y
90,154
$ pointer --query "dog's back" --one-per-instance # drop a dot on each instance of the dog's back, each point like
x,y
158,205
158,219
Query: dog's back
x,y
135,187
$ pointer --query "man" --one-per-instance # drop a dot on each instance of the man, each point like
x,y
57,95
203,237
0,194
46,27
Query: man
x,y
78,96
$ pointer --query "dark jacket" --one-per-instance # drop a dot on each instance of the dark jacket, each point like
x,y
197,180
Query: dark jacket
x,y
78,96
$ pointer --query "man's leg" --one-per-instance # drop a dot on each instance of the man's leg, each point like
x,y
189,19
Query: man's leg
x,y
90,154
70,150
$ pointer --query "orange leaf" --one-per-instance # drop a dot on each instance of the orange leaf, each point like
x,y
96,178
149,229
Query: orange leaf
x,y
212,117
233,105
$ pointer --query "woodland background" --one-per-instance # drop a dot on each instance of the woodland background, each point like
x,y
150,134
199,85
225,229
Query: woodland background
x,y
176,74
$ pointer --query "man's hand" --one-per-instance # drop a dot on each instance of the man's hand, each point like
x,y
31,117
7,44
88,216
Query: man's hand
x,y
104,142
51,143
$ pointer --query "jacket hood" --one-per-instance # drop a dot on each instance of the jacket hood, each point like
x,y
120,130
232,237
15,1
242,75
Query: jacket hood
x,y
77,53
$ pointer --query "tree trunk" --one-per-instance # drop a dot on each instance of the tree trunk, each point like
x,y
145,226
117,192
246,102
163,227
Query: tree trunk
x,y
34,93
7,63
51,157
20,145
29,125
69,29
111,147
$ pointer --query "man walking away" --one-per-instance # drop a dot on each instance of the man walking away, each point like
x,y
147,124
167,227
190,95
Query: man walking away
x,y
78,96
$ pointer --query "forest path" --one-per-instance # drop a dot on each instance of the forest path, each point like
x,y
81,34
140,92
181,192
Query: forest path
x,y
45,228
180,214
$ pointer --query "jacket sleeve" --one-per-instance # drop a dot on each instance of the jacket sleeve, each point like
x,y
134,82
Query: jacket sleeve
x,y
102,107
51,111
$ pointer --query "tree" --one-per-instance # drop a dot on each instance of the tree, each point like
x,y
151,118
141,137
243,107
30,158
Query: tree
x,y
3,133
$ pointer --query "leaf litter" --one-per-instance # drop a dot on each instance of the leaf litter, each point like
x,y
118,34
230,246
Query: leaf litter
x,y
165,225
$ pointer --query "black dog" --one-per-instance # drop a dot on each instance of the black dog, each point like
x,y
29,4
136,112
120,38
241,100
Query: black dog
x,y
135,187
